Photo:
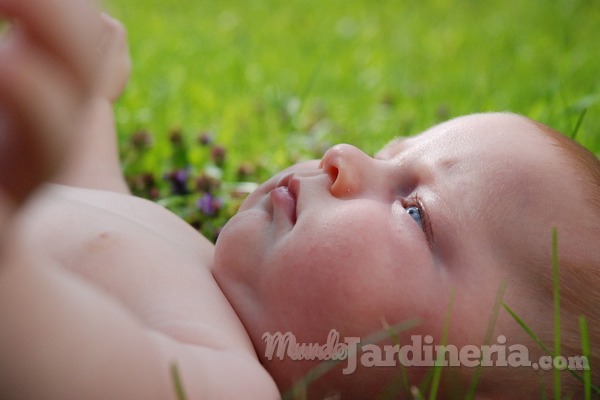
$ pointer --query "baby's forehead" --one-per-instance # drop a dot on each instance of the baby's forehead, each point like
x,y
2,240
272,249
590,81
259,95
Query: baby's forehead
x,y
498,133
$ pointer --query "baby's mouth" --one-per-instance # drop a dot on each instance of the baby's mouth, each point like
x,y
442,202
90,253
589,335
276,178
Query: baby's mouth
x,y
284,196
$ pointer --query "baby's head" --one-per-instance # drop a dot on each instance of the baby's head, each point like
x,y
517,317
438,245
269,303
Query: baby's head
x,y
452,217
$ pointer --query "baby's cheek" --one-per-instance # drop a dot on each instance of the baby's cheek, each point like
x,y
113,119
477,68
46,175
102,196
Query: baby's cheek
x,y
311,271
329,282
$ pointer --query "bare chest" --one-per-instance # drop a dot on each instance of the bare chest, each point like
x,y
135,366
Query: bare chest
x,y
120,243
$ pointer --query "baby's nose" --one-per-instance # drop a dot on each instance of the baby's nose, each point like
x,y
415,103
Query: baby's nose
x,y
349,169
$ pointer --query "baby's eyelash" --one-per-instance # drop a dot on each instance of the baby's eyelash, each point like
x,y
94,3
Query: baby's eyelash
x,y
415,201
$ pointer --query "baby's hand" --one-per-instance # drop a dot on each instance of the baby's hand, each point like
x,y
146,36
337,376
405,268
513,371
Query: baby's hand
x,y
51,66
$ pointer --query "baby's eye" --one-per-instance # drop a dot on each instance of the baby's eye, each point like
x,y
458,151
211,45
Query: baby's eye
x,y
415,213
415,209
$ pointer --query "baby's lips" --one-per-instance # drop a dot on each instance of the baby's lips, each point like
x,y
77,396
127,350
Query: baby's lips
x,y
283,200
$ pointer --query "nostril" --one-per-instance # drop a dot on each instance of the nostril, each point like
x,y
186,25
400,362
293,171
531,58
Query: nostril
x,y
332,171
329,164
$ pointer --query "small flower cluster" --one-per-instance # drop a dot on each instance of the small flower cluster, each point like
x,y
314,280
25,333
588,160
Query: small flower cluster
x,y
197,193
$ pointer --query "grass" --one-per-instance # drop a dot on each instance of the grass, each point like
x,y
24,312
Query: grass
x,y
556,304
263,74
585,378
275,82
177,384
585,346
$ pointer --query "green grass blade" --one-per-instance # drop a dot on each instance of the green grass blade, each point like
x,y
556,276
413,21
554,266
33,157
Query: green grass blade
x,y
556,294
4,26
400,385
177,382
585,346
437,369
416,393
424,384
526,328
556,304
488,338
578,124
529,331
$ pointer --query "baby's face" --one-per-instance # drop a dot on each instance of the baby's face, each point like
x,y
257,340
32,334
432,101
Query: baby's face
x,y
350,241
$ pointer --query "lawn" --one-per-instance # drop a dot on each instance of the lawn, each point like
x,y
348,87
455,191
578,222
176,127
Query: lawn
x,y
230,91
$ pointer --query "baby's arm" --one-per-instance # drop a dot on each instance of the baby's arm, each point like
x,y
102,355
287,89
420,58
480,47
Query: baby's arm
x,y
95,164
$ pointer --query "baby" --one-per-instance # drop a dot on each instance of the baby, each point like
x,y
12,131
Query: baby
x,y
105,295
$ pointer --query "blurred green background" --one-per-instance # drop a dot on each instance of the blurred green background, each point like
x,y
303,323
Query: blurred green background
x,y
264,83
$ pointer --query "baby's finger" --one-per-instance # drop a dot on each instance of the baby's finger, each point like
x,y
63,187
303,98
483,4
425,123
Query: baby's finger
x,y
115,64
69,29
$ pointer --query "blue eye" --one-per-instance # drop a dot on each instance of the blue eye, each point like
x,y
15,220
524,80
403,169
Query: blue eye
x,y
415,213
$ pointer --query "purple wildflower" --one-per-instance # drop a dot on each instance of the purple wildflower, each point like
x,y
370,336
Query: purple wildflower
x,y
209,205
178,179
